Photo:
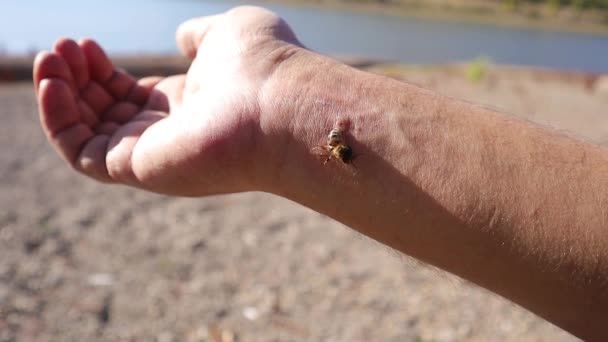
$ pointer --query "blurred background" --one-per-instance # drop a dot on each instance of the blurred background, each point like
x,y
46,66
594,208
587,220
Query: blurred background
x,y
538,33
84,262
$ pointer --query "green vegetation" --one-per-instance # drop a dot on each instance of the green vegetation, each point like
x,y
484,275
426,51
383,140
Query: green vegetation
x,y
555,5
477,69
590,16
511,5
508,4
579,4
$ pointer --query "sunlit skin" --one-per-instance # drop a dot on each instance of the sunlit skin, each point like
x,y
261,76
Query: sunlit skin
x,y
515,208
166,134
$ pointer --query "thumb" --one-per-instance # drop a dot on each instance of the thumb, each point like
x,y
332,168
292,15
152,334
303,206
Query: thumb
x,y
191,33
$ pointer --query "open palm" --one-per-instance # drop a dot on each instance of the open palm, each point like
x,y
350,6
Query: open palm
x,y
185,134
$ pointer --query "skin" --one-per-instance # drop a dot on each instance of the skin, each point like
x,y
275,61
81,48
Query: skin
x,y
515,208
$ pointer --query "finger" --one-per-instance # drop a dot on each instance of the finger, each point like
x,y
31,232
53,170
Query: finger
x,y
87,115
157,150
150,82
106,128
51,65
109,128
121,84
58,109
60,119
75,59
100,66
149,116
70,141
92,159
96,97
140,93
167,94
191,33
120,112
120,150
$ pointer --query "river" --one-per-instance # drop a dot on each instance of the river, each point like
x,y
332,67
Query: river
x,y
147,26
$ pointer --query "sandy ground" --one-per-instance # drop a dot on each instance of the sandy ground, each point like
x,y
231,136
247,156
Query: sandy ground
x,y
81,261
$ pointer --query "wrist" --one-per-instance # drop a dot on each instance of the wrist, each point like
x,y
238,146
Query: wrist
x,y
299,105
307,98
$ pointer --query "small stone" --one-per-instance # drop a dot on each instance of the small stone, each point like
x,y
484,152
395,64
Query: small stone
x,y
165,336
251,313
25,304
103,314
101,279
32,244
250,239
198,246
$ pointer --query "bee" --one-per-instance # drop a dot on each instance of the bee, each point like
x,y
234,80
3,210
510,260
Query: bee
x,y
335,137
336,148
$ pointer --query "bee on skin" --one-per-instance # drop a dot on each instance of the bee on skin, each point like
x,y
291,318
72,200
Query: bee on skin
x,y
336,148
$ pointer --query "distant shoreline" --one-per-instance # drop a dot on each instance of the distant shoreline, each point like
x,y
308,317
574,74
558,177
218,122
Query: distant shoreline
x,y
595,22
19,68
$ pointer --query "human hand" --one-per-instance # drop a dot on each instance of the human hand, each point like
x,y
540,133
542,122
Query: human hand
x,y
190,135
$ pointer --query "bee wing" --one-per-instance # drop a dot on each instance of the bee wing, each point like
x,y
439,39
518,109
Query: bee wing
x,y
320,151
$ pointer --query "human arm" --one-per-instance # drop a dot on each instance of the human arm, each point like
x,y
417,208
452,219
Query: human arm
x,y
510,206
513,207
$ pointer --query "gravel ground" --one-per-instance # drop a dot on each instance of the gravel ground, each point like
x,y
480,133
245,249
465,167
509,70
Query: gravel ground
x,y
81,261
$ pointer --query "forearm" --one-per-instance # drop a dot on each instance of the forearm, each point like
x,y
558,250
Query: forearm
x,y
510,206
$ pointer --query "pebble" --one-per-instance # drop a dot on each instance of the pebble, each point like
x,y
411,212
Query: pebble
x,y
100,279
251,313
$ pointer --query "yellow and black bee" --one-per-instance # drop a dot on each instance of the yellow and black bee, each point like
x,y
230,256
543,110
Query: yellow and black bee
x,y
336,148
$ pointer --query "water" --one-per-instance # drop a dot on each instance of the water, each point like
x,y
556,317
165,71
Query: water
x,y
139,26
